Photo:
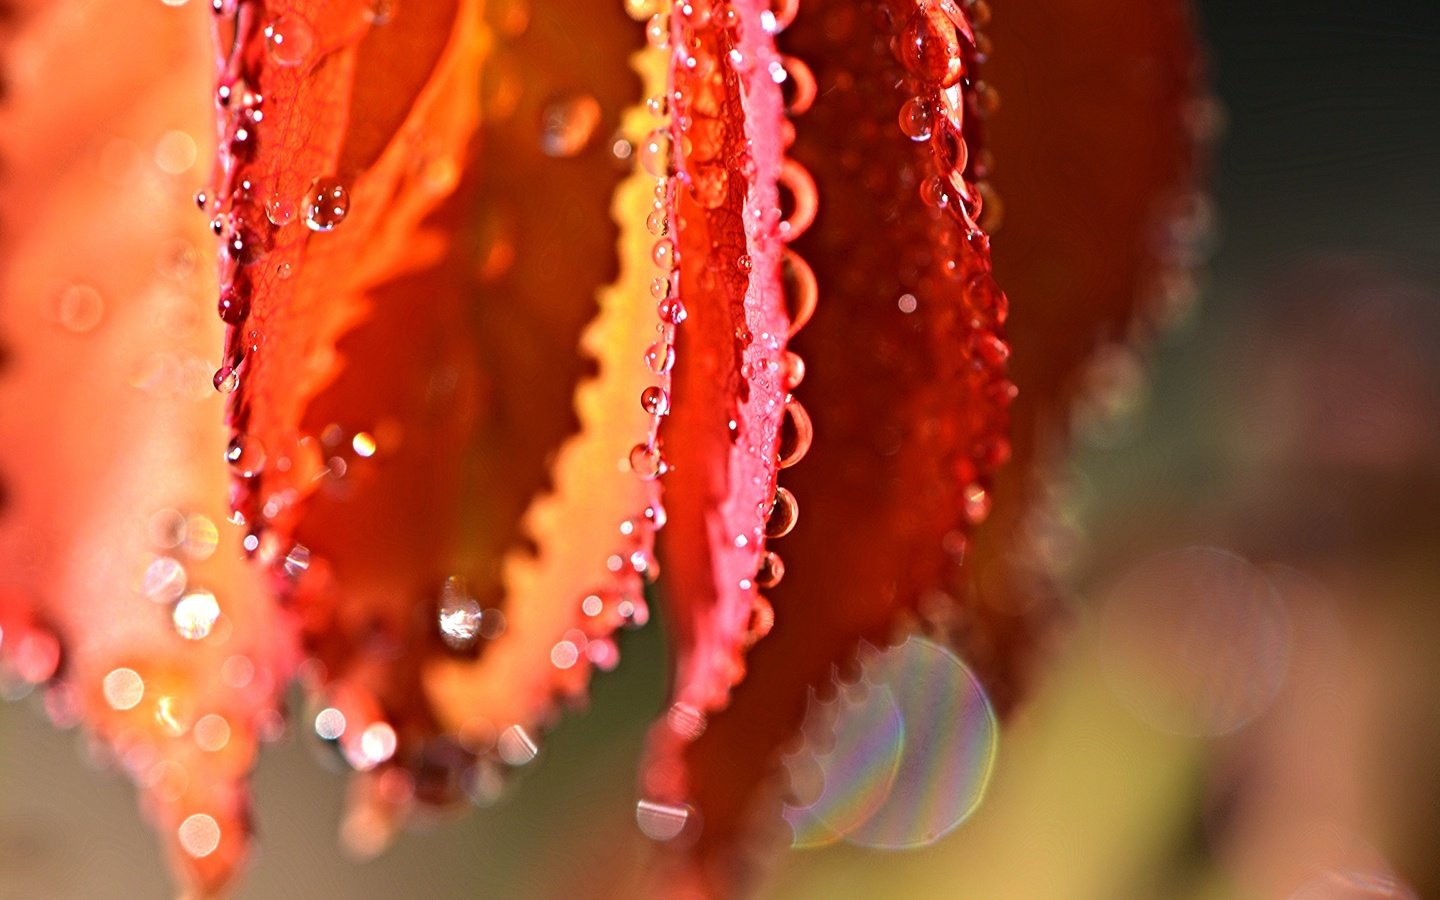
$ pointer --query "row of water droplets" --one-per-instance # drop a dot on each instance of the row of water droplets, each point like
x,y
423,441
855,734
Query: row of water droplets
x,y
941,48
797,190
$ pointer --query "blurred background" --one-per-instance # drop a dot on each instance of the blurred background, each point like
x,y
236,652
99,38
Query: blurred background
x,y
1248,702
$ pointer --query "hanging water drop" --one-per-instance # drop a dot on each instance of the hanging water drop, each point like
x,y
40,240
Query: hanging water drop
x,y
655,401
326,204
655,153
660,357
227,379
772,569
646,461
289,40
916,119
784,513
246,456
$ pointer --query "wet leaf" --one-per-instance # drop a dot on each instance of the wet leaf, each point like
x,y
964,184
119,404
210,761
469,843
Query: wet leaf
x,y
123,598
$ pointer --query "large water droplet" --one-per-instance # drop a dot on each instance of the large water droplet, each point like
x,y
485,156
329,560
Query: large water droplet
x,y
772,569
646,461
796,434
657,31
227,379
660,357
655,153
928,47
655,401
289,40
916,119
326,204
784,513
246,456
802,292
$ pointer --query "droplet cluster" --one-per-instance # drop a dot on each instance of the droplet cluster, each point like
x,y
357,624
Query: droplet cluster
x,y
940,49
800,202
248,210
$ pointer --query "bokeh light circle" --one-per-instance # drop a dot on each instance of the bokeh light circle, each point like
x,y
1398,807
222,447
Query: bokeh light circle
x,y
913,751
1195,641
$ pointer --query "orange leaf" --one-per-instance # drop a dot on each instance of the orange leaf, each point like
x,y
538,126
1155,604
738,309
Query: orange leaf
x,y
122,592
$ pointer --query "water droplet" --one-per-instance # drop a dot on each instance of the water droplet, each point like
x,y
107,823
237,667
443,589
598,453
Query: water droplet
x,y
657,31
799,194
796,434
640,10
762,619
660,357
784,513
655,401
658,105
79,308
246,456
929,48
907,303
363,443
655,153
646,461
233,306
916,119
799,87
227,379
772,569
282,270
663,254
326,204
279,211
289,40
658,223
568,124
802,292
660,287
792,370
671,311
